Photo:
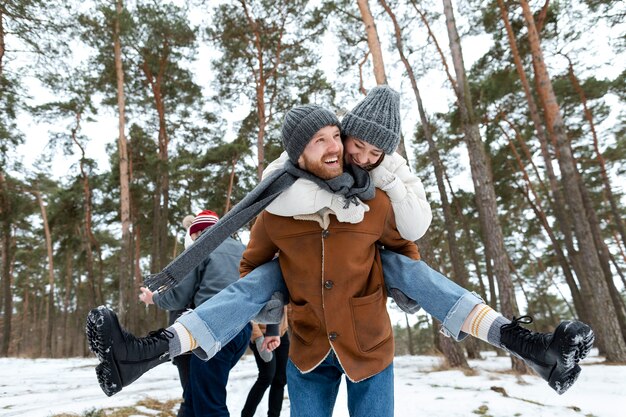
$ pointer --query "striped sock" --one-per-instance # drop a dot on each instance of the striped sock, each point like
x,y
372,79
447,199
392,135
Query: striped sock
x,y
485,325
182,341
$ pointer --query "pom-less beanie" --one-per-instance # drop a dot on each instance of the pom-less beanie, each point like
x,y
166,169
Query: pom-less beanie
x,y
376,119
300,124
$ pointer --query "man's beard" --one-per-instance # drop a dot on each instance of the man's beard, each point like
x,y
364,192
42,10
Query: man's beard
x,y
320,169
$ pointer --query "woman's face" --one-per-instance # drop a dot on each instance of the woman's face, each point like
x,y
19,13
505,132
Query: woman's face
x,y
361,153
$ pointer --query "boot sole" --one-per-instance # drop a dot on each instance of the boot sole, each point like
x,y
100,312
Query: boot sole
x,y
561,382
100,342
578,340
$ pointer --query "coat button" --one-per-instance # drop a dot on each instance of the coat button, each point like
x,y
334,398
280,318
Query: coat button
x,y
332,336
325,234
328,284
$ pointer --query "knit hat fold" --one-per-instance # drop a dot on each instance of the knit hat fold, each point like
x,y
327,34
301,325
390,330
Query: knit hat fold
x,y
376,119
300,124
204,219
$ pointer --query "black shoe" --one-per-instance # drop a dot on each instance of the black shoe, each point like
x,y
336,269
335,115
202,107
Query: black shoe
x,y
123,357
554,356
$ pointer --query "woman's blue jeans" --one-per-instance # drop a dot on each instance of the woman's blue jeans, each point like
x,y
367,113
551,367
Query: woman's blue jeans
x,y
313,394
216,321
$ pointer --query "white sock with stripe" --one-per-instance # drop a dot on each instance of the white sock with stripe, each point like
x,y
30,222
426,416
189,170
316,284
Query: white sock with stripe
x,y
485,324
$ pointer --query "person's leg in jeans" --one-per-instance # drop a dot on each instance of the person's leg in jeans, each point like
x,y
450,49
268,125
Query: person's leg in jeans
x,y
439,296
372,396
263,381
216,321
554,356
277,389
207,380
314,393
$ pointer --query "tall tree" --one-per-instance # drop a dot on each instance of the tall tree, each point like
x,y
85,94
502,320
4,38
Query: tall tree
x,y
593,282
122,147
268,42
482,177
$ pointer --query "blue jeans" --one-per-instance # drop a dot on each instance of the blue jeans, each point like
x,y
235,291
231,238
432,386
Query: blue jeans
x,y
205,394
439,296
313,394
217,320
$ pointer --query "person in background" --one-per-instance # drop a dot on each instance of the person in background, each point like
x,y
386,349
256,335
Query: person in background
x,y
181,362
205,392
272,371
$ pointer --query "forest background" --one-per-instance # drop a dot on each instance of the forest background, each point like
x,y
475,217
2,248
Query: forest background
x,y
152,110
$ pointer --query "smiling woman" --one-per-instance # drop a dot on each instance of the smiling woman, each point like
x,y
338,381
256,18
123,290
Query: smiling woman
x,y
361,153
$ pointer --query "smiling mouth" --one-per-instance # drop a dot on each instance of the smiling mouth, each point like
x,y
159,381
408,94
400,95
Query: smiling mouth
x,y
331,161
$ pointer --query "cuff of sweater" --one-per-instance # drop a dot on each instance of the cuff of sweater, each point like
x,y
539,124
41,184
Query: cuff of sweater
x,y
155,297
396,190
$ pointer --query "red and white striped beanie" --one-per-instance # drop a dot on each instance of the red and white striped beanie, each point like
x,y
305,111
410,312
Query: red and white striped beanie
x,y
204,219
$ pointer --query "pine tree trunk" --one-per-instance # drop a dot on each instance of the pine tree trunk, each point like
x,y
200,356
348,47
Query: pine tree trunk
x,y
373,42
123,162
452,352
608,193
602,311
541,215
50,304
482,179
66,351
458,264
558,200
260,83
231,180
409,335
7,256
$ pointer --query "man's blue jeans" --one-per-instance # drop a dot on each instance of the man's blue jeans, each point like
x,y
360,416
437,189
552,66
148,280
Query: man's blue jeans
x,y
205,395
313,394
216,321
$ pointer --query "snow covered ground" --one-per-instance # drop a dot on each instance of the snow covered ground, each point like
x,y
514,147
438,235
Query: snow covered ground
x,y
44,387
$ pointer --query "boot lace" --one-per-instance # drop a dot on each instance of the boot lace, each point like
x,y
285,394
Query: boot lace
x,y
522,341
152,339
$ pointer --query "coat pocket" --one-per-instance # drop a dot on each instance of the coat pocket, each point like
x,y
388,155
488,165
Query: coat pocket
x,y
371,321
304,323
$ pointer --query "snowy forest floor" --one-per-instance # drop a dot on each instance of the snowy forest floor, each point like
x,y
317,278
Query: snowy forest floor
x,y
68,387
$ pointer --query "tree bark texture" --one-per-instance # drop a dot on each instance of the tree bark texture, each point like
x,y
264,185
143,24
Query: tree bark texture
x,y
373,42
482,178
7,256
50,304
122,146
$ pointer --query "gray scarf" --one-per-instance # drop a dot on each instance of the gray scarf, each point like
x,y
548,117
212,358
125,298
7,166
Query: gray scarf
x,y
354,183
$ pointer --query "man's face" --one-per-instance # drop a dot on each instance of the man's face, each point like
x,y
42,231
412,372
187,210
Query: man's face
x,y
361,153
323,155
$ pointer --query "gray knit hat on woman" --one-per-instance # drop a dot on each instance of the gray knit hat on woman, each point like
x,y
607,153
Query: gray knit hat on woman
x,y
300,124
376,119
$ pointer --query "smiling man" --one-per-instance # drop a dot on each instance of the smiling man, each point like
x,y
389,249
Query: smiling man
x,y
333,274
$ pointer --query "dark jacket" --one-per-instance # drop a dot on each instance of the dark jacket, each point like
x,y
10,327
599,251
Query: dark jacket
x,y
216,272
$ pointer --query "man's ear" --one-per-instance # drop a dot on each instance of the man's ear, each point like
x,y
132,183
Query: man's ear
x,y
301,162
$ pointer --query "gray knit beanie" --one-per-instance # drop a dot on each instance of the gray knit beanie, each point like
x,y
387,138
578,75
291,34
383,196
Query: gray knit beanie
x,y
300,124
376,119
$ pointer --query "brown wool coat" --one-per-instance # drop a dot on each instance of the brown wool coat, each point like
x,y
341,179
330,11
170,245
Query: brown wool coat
x,y
335,281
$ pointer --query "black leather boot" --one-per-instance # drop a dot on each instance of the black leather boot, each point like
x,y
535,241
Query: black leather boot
x,y
554,356
123,357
